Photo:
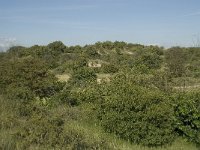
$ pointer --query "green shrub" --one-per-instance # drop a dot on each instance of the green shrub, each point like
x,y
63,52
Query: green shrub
x,y
79,138
20,99
8,117
91,53
20,94
187,111
65,97
109,68
148,57
82,76
136,113
89,94
31,73
79,63
176,60
40,131
45,130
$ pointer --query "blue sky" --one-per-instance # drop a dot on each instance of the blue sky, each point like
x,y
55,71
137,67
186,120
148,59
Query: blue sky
x,y
162,22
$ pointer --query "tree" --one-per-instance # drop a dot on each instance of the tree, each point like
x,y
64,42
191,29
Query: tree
x,y
57,46
17,51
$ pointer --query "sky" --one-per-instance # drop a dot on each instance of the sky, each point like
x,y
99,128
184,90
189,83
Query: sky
x,y
150,22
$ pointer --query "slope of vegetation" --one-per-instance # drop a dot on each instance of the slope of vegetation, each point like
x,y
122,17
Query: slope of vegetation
x,y
110,95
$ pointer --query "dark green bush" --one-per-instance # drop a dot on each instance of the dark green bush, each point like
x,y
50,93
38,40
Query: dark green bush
x,y
187,111
65,97
109,68
89,94
90,52
176,60
136,113
20,99
82,77
148,57
79,63
8,117
31,73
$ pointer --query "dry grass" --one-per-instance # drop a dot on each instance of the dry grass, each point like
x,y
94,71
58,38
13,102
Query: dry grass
x,y
63,77
103,77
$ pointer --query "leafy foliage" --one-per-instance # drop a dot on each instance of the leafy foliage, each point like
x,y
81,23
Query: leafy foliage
x,y
109,68
30,73
45,132
175,59
187,111
128,97
82,76
135,113
150,57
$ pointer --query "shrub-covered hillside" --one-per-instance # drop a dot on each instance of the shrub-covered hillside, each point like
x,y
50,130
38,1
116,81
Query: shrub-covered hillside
x,y
109,95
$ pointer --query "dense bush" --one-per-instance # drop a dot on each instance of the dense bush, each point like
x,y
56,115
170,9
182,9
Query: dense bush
x,y
31,73
82,76
44,132
135,113
40,130
90,52
148,57
39,112
187,111
57,47
80,63
109,68
20,99
79,138
176,59
66,97
89,94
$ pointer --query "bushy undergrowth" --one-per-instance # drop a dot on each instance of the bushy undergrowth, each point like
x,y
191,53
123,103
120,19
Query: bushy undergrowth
x,y
135,104
138,114
46,129
187,112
